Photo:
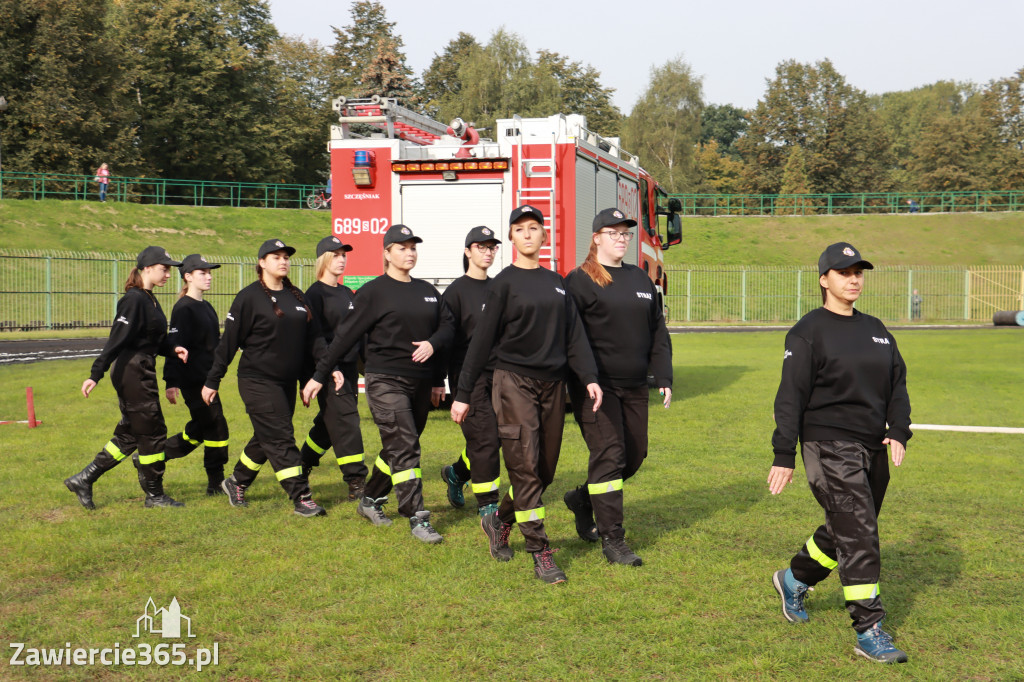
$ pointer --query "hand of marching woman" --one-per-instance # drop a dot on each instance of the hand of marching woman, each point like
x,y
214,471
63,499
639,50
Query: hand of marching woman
x,y
172,395
667,392
596,394
339,379
436,395
209,394
423,351
310,390
779,478
897,448
459,411
87,387
182,353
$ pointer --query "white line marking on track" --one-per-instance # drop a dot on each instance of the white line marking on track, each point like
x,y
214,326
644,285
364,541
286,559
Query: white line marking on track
x,y
967,429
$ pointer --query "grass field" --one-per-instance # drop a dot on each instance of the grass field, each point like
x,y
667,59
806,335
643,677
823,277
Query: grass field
x,y
334,598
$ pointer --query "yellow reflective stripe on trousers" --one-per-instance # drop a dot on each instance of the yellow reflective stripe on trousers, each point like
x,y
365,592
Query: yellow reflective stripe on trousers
x,y
191,440
489,487
530,515
314,447
151,459
606,487
383,466
819,556
407,475
290,472
249,464
465,458
510,495
857,592
113,451
350,459
215,443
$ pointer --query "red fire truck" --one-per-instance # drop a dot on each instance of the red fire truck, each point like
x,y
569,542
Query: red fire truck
x,y
392,165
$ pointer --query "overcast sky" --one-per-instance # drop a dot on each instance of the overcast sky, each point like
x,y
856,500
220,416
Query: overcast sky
x,y
880,46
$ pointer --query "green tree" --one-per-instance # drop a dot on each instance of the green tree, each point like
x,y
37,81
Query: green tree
x,y
719,173
580,92
664,126
845,147
795,180
1002,106
724,124
357,51
387,74
441,82
953,154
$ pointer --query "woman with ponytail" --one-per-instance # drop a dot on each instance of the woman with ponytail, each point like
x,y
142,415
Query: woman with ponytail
x,y
138,334
613,296
270,322
194,325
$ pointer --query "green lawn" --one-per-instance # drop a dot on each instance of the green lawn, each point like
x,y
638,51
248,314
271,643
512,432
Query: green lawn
x,y
334,598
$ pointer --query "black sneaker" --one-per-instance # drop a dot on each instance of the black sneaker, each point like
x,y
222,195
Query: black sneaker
x,y
579,505
545,569
497,533
215,490
235,492
308,508
419,525
164,500
373,510
618,552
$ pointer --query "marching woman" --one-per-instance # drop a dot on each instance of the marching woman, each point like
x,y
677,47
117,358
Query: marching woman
x,y
337,422
534,331
401,318
270,323
194,325
613,296
138,334
843,394
480,460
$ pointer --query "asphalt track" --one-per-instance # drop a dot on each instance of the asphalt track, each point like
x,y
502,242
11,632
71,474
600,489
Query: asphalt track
x,y
37,350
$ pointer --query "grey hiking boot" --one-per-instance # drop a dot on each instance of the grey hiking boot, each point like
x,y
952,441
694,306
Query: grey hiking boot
x,y
422,530
618,552
372,509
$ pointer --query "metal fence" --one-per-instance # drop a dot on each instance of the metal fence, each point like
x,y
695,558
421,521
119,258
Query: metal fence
x,y
849,203
22,185
784,294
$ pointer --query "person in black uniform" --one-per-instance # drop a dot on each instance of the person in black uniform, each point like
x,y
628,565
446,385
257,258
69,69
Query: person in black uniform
x,y
270,323
194,326
337,422
401,318
480,460
611,296
138,333
843,394
534,331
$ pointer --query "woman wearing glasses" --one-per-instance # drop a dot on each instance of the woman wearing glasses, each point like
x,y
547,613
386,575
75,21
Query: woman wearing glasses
x,y
612,296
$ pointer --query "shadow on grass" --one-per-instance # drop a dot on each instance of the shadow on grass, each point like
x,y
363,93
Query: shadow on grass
x,y
693,381
910,569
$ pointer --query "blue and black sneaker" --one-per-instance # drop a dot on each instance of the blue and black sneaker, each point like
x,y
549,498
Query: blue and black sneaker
x,y
875,644
792,592
455,486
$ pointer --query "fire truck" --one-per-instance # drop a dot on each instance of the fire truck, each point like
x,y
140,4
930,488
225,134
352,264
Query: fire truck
x,y
393,165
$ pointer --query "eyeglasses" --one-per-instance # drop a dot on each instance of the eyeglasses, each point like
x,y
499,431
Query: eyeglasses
x,y
486,249
616,235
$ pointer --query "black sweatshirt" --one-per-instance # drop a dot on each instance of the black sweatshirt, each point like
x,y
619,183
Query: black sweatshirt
x,y
464,298
330,305
625,325
139,327
533,328
842,379
273,347
392,314
194,325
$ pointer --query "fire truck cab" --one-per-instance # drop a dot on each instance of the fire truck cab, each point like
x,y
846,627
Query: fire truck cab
x,y
392,165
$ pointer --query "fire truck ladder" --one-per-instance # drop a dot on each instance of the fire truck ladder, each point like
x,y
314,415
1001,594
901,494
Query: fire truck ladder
x,y
540,172
387,116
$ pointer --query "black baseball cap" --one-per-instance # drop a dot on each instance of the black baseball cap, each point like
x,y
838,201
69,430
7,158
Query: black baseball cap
x,y
154,255
481,234
329,244
524,211
399,233
839,256
272,245
612,216
194,261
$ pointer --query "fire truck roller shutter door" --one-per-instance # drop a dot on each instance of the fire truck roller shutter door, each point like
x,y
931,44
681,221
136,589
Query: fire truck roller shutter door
x,y
442,213
586,205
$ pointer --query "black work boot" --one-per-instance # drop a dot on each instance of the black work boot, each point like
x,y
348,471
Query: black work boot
x,y
81,483
152,478
618,552
214,477
578,502
355,489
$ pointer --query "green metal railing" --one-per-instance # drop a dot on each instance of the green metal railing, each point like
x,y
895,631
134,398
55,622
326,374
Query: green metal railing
x,y
849,203
29,185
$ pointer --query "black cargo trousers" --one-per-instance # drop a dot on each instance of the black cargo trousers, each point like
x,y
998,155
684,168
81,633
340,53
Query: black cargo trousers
x,y
616,436
206,426
337,425
142,424
849,481
399,406
483,447
531,417
271,407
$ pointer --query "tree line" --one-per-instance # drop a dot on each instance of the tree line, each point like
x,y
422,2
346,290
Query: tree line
x,y
209,89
